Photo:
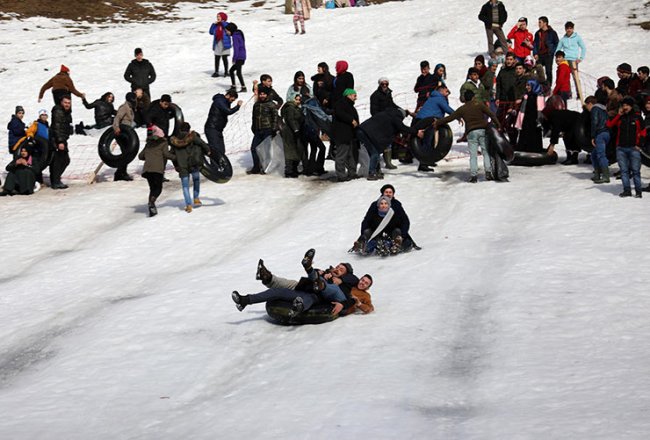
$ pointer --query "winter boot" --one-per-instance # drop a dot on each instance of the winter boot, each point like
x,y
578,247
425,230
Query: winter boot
x,y
243,89
197,202
571,158
241,301
388,157
308,259
488,176
79,129
397,245
596,175
188,208
473,179
638,195
425,168
297,307
153,211
263,273
626,193
604,176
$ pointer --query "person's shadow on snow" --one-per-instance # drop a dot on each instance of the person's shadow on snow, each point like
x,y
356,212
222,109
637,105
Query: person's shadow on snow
x,y
179,204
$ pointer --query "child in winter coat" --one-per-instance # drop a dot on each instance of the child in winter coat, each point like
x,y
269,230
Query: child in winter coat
x,y
190,150
155,155
16,128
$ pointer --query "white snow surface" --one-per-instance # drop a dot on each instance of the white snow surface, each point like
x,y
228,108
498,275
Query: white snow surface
x,y
523,317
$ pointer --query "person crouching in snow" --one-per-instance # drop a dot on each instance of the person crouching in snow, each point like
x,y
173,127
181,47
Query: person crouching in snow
x,y
189,149
155,154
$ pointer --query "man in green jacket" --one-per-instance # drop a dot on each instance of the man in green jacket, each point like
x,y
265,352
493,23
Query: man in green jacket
x,y
473,113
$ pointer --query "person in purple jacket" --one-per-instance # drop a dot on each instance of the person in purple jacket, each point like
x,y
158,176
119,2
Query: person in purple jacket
x,y
221,43
238,57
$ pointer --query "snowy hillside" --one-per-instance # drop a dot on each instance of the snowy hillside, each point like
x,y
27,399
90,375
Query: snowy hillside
x,y
523,317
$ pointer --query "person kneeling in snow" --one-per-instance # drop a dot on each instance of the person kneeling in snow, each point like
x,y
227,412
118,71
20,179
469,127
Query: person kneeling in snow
x,y
334,285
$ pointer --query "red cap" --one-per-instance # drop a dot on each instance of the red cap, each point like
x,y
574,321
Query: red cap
x,y
341,67
64,68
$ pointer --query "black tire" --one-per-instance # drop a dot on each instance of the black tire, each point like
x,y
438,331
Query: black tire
x,y
582,133
424,149
278,311
128,142
525,159
178,118
498,144
217,167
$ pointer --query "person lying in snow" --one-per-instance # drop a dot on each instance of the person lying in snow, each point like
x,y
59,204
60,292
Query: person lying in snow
x,y
334,285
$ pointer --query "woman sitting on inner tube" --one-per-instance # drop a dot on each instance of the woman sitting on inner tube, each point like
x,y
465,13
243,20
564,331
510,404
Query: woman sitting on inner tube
x,y
381,230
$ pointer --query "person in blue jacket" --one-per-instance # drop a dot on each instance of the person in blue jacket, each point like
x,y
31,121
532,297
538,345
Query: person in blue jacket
x,y
221,43
574,51
218,118
16,128
435,107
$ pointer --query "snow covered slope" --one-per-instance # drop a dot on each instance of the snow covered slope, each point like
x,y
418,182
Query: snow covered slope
x,y
524,316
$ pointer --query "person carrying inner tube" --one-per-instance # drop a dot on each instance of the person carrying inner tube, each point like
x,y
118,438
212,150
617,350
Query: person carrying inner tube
x,y
125,116
473,114
434,108
333,285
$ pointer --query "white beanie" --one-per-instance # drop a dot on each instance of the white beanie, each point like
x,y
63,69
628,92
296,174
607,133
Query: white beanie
x,y
382,79
42,112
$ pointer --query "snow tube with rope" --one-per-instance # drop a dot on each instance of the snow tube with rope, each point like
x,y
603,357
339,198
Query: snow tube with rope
x,y
279,310
526,159
426,151
128,142
178,118
217,167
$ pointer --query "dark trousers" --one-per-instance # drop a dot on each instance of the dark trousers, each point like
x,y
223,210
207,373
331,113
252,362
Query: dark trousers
x,y
236,68
548,61
58,94
155,181
316,161
215,139
258,138
280,293
216,63
60,161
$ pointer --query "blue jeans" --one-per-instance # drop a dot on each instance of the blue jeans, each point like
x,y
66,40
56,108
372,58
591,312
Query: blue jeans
x,y
331,292
284,294
599,156
373,151
475,139
629,159
196,180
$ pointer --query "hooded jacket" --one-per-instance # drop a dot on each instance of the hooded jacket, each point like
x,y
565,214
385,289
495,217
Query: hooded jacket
x,y
219,112
573,47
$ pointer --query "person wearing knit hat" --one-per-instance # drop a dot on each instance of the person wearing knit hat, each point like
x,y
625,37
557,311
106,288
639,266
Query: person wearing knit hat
x,y
479,63
344,124
16,128
61,85
140,73
625,78
221,43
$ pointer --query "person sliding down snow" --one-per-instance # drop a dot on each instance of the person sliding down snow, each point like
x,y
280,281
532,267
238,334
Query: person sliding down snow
x,y
380,232
332,285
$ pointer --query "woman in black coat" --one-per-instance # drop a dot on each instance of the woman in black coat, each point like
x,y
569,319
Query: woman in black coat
x,y
22,175
530,138
104,110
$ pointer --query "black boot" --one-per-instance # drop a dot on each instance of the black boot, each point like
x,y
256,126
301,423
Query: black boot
x,y
153,211
241,301
263,273
308,259
571,158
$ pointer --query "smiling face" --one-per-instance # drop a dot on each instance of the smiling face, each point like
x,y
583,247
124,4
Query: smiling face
x,y
383,205
339,270
24,153
364,283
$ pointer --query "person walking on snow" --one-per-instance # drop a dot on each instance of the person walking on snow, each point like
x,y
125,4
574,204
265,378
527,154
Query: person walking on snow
x,y
238,57
189,149
221,43
155,155
301,12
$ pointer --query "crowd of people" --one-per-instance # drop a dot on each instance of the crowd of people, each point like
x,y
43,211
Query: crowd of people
x,y
510,88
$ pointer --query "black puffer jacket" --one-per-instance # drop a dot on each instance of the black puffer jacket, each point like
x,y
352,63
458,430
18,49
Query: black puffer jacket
x,y
140,74
344,113
104,110
382,128
61,126
380,101
159,117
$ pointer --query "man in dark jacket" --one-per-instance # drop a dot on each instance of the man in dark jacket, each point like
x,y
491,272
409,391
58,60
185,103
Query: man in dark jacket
x,y
493,15
382,98
16,127
563,122
344,123
544,46
160,113
60,131
218,118
140,72
425,84
378,132
265,124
